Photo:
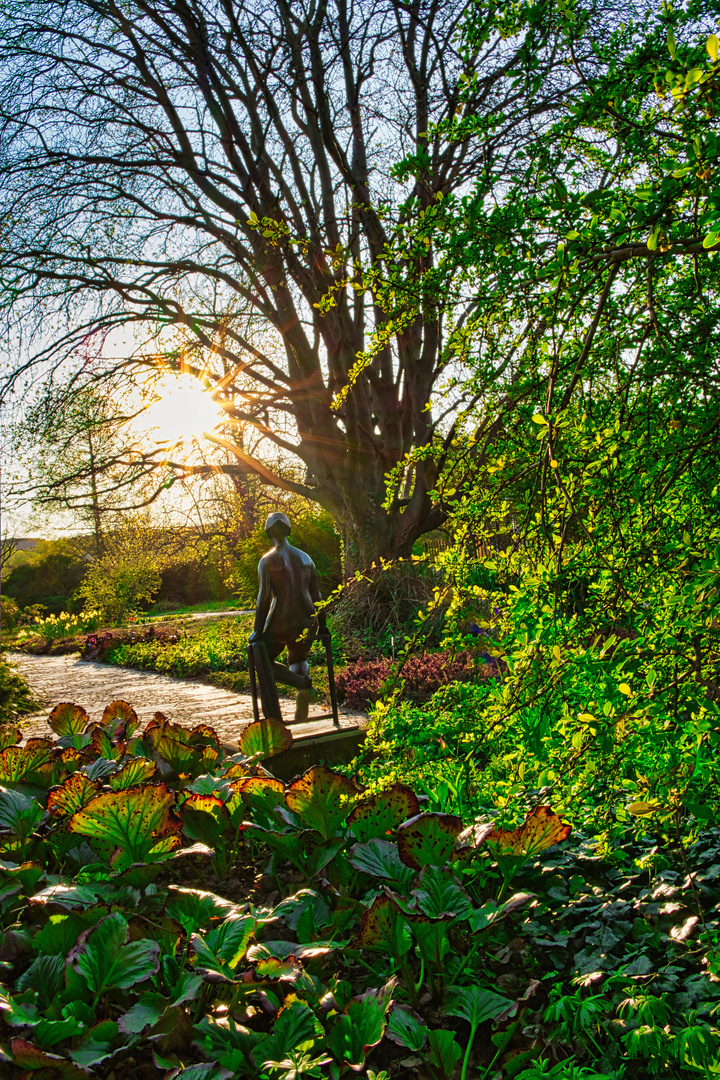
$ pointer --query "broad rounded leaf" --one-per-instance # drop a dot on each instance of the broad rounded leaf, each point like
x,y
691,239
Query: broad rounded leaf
x,y
31,763
137,771
361,1026
105,960
380,859
265,738
379,925
220,950
542,829
72,794
134,820
205,818
122,716
67,718
439,895
475,1005
428,839
193,908
322,799
29,1057
383,812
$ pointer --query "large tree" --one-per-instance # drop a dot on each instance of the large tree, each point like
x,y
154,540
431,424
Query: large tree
x,y
214,177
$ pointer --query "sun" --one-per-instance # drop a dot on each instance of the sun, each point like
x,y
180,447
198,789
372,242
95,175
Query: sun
x,y
183,412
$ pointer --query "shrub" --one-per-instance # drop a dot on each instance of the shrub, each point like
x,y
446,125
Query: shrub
x,y
16,697
362,682
383,603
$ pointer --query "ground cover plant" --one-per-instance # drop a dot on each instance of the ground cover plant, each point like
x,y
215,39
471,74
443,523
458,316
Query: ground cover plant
x,y
171,909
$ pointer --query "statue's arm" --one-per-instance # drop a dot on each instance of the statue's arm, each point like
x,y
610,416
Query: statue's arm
x,y
264,600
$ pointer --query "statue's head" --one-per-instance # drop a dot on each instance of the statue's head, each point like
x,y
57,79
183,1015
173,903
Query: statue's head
x,y
277,525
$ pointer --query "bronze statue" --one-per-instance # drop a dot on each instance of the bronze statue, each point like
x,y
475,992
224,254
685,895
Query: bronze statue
x,y
285,617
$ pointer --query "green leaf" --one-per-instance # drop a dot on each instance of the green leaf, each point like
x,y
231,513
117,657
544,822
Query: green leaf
x,y
137,771
406,1029
120,720
712,47
98,1045
322,799
711,239
361,1026
439,896
205,818
540,420
220,950
134,820
68,719
19,814
74,793
475,1005
380,859
265,738
383,812
105,960
29,763
444,1052
295,1024
194,909
672,47
45,976
428,839
144,1013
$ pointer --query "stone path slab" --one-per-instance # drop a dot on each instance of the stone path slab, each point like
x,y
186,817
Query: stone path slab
x,y
92,685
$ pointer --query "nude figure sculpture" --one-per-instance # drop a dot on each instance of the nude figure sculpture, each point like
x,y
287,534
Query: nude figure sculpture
x,y
285,617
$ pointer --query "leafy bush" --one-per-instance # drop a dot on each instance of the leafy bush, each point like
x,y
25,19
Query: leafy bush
x,y
49,580
16,698
389,929
363,682
384,604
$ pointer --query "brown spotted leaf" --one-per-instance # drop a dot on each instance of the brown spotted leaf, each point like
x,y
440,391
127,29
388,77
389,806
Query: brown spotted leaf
x,y
72,794
67,718
428,839
381,927
137,771
205,818
373,818
27,1056
204,735
135,821
30,764
541,830
265,738
262,793
322,799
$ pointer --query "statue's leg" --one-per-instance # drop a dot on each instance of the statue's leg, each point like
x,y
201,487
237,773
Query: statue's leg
x,y
266,681
298,652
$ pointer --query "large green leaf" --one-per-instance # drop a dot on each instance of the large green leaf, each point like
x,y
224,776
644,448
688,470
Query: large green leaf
x,y
361,1027
45,977
263,793
195,909
67,718
136,771
295,1024
74,793
220,950
143,1014
428,839
265,738
19,814
105,960
380,859
322,799
439,895
135,821
474,1004
179,750
29,764
406,1028
205,818
383,812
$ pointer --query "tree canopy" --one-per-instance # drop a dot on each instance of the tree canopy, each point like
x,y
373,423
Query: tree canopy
x,y
213,180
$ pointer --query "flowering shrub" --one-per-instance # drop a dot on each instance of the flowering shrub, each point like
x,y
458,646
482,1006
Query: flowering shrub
x,y
362,682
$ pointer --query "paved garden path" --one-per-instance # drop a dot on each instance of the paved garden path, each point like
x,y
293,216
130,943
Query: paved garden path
x,y
68,678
